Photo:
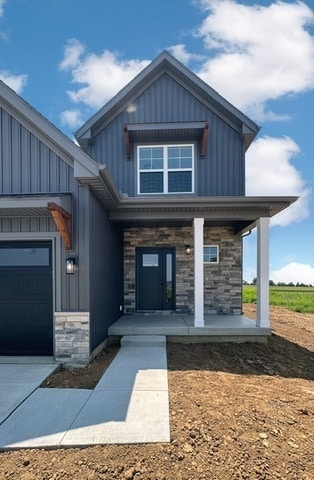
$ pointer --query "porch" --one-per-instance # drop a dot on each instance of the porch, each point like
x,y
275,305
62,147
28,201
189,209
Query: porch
x,y
237,328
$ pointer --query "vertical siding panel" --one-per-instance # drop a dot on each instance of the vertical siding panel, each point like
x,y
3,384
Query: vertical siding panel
x,y
25,160
34,165
7,153
106,271
44,161
16,157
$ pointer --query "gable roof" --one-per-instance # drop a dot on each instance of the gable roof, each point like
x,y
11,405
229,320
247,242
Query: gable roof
x,y
166,63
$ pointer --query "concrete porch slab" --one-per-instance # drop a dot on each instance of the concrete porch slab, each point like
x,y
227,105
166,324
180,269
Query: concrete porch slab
x,y
176,325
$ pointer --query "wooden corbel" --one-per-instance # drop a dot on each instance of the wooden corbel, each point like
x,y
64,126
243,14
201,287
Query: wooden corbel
x,y
63,221
127,142
204,140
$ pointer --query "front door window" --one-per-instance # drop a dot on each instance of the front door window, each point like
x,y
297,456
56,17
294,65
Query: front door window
x,y
155,278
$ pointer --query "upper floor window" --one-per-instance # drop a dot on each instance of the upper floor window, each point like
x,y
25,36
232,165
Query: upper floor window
x,y
165,169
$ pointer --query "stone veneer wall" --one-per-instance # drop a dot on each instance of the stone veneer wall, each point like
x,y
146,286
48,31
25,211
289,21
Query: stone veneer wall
x,y
223,281
72,340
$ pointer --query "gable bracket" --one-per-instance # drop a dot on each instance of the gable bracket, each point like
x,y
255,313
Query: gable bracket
x,y
204,140
127,142
63,221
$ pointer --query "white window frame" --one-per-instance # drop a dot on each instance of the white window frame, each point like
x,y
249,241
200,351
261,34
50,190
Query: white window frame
x,y
209,262
165,170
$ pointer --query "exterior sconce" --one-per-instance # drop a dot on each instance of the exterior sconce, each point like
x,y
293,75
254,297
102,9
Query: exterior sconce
x,y
188,249
70,265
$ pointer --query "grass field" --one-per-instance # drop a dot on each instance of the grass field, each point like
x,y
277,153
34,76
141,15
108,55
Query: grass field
x,y
298,299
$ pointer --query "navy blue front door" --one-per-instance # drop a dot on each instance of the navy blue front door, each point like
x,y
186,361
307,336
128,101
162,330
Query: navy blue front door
x,y
155,278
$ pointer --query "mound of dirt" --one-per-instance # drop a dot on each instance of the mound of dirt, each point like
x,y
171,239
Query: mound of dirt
x,y
237,412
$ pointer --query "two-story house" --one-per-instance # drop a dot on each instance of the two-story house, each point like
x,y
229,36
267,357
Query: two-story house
x,y
146,216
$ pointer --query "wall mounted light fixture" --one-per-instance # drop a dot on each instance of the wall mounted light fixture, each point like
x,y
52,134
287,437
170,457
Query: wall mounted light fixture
x,y
70,265
188,249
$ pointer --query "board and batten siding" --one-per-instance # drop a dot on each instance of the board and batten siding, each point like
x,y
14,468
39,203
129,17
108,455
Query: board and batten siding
x,y
105,272
27,164
221,172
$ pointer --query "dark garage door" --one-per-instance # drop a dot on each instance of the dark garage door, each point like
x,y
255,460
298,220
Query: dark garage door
x,y
26,325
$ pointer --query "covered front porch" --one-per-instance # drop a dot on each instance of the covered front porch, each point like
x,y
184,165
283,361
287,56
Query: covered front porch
x,y
179,326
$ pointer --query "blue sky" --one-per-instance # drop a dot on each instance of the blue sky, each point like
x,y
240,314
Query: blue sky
x,y
68,57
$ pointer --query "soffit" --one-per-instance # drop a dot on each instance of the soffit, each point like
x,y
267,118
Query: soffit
x,y
33,205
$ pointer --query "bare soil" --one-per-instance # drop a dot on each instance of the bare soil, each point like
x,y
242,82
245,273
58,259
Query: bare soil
x,y
237,412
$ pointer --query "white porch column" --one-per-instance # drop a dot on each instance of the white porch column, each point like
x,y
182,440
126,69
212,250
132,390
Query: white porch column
x,y
198,272
262,319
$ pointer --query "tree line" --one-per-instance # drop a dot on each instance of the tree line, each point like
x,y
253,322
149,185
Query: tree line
x,y
279,284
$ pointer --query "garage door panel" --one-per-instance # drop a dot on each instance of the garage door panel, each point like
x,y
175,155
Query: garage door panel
x,y
26,314
24,285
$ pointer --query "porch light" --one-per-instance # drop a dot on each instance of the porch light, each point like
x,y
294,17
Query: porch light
x,y
188,249
70,265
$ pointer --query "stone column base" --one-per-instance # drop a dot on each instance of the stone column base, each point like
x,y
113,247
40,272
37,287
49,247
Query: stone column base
x,y
72,337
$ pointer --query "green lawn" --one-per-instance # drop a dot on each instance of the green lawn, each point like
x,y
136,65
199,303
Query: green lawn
x,y
298,299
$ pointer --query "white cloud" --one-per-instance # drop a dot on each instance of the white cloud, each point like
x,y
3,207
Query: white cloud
x,y
294,272
269,172
72,53
2,2
102,75
179,51
263,52
71,118
16,82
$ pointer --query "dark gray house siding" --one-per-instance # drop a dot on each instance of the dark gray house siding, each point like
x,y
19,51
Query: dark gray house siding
x,y
106,272
27,164
221,172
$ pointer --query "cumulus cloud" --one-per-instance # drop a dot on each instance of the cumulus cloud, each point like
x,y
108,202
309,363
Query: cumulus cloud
x,y
180,52
261,53
100,76
294,272
16,82
72,54
71,118
269,171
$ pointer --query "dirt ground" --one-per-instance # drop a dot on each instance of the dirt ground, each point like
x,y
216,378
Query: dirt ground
x,y
237,412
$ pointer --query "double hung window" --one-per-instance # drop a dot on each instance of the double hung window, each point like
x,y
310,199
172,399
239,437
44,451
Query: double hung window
x,y
165,169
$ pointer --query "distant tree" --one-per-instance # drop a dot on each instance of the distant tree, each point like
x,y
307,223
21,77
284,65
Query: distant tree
x,y
291,284
254,281
271,283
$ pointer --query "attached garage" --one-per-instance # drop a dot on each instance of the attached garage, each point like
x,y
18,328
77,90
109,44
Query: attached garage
x,y
26,308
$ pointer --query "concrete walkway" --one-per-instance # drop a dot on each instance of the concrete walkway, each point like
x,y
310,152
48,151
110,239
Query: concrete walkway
x,y
129,405
19,378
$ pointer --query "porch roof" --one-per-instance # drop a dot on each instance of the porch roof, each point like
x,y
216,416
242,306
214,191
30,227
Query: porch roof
x,y
33,205
242,212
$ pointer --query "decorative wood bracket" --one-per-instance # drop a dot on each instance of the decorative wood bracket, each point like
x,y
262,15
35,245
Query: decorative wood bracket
x,y
63,221
127,142
204,140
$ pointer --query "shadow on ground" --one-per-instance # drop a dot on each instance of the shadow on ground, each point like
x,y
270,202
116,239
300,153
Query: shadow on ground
x,y
278,357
